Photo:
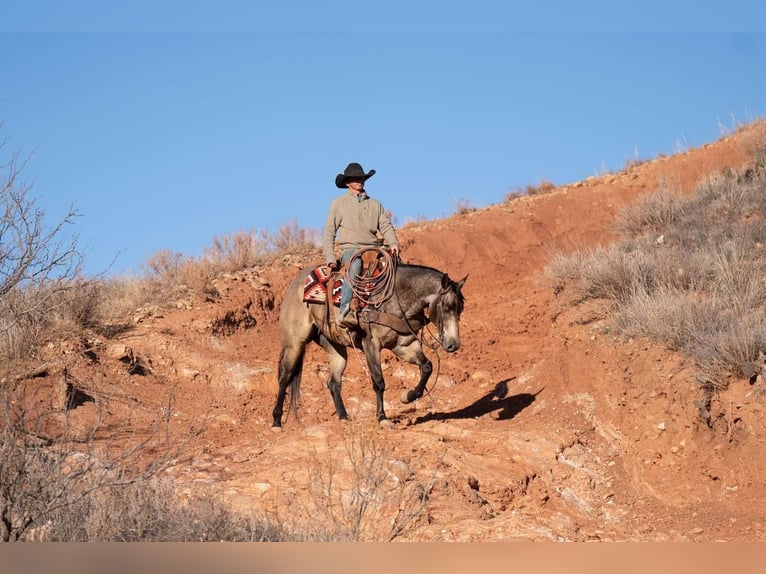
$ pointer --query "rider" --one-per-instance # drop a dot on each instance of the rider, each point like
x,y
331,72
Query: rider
x,y
356,219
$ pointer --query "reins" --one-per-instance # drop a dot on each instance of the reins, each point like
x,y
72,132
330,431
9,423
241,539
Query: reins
x,y
434,347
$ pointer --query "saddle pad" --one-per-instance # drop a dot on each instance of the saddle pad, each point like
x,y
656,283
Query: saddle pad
x,y
315,286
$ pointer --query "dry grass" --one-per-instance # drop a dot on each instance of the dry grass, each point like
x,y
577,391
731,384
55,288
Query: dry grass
x,y
541,188
462,206
150,511
689,272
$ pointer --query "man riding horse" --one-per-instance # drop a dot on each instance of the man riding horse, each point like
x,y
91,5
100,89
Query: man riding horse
x,y
354,219
399,303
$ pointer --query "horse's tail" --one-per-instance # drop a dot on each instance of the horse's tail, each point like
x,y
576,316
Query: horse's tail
x,y
293,374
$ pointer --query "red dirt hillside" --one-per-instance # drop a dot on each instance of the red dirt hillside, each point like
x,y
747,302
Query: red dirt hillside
x,y
545,425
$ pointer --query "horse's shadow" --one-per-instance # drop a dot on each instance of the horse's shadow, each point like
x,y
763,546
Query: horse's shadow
x,y
496,400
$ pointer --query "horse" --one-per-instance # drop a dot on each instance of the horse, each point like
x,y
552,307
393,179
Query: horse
x,y
418,295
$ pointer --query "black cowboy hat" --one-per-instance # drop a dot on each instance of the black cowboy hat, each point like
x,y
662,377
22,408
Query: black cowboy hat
x,y
352,171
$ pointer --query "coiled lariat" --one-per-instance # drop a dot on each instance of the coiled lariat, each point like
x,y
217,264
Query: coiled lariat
x,y
374,289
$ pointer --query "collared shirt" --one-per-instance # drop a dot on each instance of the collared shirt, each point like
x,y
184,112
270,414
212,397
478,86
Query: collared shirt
x,y
356,220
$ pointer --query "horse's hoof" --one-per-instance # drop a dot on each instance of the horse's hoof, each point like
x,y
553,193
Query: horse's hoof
x,y
385,424
405,398
276,429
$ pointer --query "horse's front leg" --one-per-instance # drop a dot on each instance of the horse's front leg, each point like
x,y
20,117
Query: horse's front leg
x,y
372,353
413,354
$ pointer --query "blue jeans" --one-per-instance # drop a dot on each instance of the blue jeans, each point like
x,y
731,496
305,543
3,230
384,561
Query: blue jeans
x,y
353,270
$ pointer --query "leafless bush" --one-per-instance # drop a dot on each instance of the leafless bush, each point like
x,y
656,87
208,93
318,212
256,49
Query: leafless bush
x,y
238,251
166,266
415,220
39,260
358,493
170,272
295,240
541,188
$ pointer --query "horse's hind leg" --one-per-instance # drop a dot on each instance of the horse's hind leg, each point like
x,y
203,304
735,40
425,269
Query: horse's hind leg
x,y
290,372
338,357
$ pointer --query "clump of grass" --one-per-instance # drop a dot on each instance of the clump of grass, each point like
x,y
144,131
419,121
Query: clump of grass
x,y
462,206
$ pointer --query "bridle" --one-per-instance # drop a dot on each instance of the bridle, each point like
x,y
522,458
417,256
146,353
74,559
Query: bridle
x,y
435,317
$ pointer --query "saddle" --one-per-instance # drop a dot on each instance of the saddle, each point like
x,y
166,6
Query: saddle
x,y
322,280
323,286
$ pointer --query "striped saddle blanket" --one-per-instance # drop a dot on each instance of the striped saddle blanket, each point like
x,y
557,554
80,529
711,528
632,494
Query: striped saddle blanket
x,y
316,285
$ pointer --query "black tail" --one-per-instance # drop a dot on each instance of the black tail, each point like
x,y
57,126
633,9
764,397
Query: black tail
x,y
293,374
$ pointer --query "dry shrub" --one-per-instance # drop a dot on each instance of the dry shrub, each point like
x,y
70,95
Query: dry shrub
x,y
415,220
164,265
690,272
172,275
292,239
358,493
651,213
30,315
541,188
238,251
40,261
462,206
151,511
50,464
607,272
122,295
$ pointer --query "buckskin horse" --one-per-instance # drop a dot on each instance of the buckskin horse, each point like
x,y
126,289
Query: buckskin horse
x,y
392,317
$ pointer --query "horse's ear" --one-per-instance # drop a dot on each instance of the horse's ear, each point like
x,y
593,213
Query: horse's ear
x,y
447,282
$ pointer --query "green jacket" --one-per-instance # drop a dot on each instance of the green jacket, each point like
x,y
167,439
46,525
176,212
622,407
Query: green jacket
x,y
356,221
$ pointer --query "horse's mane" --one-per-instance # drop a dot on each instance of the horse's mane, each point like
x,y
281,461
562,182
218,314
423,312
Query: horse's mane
x,y
415,266
410,269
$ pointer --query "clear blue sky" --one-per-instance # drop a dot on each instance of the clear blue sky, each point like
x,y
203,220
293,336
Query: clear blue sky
x,y
164,140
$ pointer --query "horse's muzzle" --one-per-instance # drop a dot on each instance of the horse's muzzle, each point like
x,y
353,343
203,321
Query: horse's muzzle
x,y
451,347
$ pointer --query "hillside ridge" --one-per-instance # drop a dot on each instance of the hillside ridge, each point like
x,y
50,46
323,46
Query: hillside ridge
x,y
544,426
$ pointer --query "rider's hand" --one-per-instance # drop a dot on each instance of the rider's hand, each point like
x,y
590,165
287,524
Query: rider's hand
x,y
334,265
395,252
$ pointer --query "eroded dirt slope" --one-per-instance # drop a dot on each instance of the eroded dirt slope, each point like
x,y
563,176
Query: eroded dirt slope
x,y
544,426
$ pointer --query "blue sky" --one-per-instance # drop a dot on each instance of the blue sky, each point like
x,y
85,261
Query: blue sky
x,y
165,139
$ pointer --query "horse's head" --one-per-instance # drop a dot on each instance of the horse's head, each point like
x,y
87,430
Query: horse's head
x,y
445,311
